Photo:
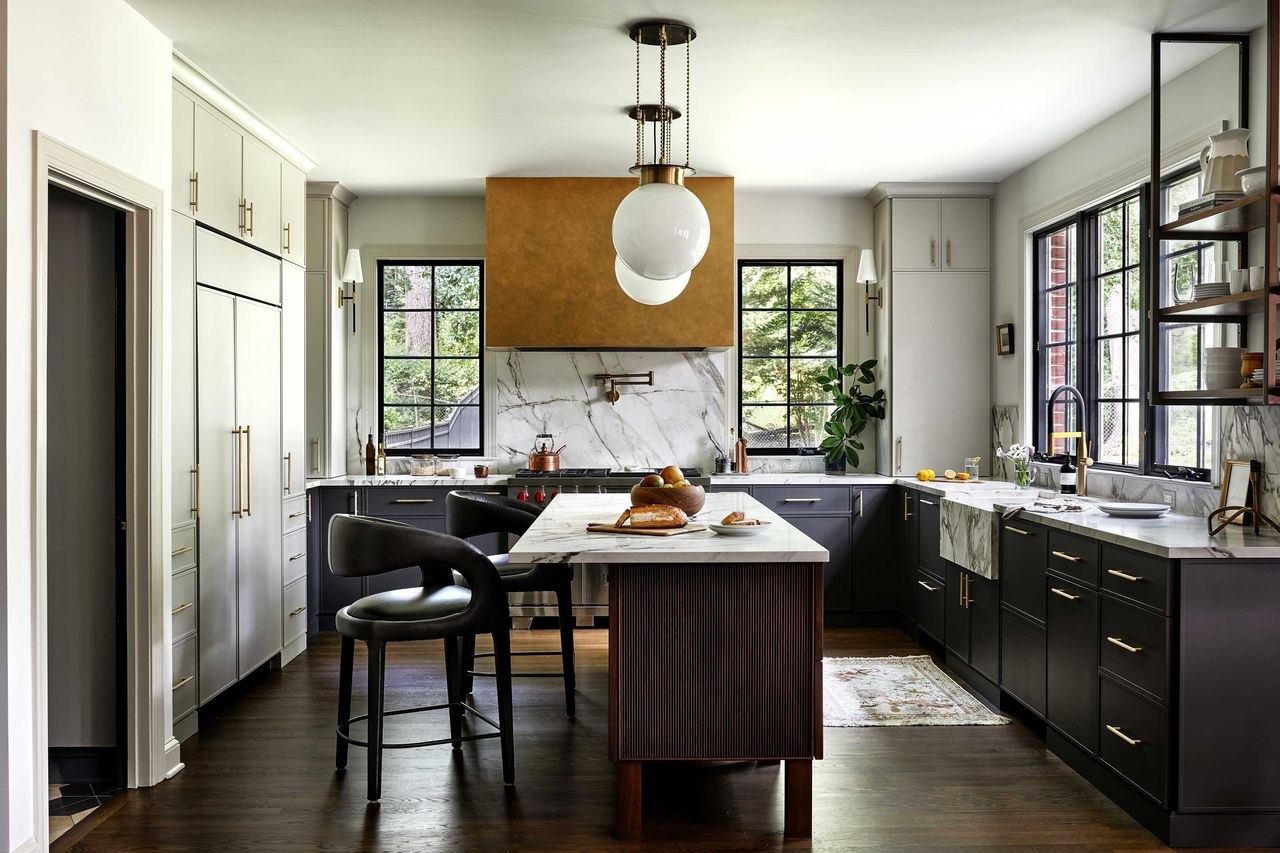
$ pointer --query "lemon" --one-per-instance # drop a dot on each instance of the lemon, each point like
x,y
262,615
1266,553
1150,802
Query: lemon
x,y
962,476
949,474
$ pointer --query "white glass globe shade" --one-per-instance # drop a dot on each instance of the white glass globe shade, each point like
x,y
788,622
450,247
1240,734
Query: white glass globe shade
x,y
661,231
648,291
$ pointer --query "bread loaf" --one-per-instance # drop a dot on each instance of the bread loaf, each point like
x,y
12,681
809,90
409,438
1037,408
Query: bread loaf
x,y
657,517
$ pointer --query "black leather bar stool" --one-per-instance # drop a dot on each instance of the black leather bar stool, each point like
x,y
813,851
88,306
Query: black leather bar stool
x,y
439,609
469,514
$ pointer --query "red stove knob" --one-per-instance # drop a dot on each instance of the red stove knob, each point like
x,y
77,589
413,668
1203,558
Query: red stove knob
x,y
523,495
539,496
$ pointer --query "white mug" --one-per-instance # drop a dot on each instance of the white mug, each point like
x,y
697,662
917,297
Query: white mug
x,y
1255,278
1238,280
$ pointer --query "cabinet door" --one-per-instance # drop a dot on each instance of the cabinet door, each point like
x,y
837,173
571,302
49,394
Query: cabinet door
x,y
183,362
931,606
1022,660
293,377
929,535
908,552
984,627
966,233
1071,661
215,342
182,191
957,628
262,225
293,214
832,533
217,157
917,228
875,527
1024,555
316,363
258,535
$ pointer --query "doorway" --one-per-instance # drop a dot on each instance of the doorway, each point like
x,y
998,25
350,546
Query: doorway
x,y
85,544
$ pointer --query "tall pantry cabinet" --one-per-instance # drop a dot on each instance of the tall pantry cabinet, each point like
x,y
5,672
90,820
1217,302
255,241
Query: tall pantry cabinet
x,y
933,250
238,229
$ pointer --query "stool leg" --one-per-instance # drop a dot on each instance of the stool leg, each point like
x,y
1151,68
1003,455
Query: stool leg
x,y
502,666
377,668
452,665
564,598
344,697
468,663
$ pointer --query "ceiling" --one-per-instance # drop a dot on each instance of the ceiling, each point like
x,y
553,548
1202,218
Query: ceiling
x,y
414,97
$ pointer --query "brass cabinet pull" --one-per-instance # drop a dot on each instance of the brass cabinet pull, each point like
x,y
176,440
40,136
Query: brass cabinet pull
x,y
194,181
308,510
195,469
933,252
414,501
859,503
315,454
926,586
1125,576
248,471
250,212
906,507
1018,530
1062,592
288,475
298,556
299,514
181,607
183,550
354,502
297,610
288,238
239,510
928,502
1132,741
1070,558
800,500
242,204
948,251
1116,641
183,681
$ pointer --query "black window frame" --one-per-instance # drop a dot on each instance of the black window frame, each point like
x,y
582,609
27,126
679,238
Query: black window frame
x,y
479,405
789,263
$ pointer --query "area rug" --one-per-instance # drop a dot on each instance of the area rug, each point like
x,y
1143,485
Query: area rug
x,y
897,691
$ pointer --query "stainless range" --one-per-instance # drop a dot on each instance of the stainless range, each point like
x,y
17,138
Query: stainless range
x,y
590,583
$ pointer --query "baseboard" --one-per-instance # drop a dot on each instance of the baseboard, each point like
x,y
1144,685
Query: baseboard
x,y
1232,829
974,679
292,649
84,764
1138,805
862,619
31,845
173,752
187,726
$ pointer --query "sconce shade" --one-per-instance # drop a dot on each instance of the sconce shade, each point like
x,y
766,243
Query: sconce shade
x,y
352,270
867,267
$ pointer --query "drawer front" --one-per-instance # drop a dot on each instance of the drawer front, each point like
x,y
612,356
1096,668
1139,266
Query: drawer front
x,y
1134,646
293,610
184,677
293,556
931,605
185,605
929,533
1138,577
390,501
183,553
1074,556
1071,661
796,500
1024,553
1022,660
1125,718
293,514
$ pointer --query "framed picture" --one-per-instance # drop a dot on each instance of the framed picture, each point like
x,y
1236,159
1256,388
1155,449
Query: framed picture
x,y
1237,486
1004,339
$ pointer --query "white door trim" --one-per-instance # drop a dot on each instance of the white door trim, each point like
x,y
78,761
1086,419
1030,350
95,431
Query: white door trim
x,y
151,748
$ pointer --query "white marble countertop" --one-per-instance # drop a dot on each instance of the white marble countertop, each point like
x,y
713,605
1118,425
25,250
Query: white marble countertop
x,y
802,479
496,481
560,536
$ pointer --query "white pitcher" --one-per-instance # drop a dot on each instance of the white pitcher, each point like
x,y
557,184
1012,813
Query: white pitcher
x,y
1226,154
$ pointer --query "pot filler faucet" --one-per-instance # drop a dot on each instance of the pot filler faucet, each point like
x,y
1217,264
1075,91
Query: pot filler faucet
x,y
1082,442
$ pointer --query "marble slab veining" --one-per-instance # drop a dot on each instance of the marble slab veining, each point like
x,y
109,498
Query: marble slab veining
x,y
560,536
495,481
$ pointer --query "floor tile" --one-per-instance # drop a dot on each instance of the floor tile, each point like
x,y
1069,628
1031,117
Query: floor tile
x,y
81,815
67,806
58,824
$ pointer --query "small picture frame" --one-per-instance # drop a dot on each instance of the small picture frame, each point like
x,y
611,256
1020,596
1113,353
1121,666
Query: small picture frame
x,y
1004,339
1237,487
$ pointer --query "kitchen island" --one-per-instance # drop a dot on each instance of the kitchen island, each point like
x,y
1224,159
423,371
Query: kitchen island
x,y
715,642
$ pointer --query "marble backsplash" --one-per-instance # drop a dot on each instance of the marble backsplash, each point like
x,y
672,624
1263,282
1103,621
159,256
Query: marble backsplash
x,y
681,420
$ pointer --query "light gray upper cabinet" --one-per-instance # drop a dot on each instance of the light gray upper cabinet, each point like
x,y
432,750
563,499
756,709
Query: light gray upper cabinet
x,y
917,233
966,233
328,329
261,190
293,378
218,145
293,214
183,368
182,190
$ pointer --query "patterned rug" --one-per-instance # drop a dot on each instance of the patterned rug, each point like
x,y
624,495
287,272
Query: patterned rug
x,y
897,691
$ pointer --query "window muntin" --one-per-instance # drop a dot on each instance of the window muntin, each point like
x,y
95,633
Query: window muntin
x,y
1114,336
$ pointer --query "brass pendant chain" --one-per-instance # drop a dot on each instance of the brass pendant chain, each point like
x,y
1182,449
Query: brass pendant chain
x,y
688,109
662,93
639,117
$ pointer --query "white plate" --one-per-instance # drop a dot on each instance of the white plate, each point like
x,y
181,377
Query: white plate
x,y
1134,510
740,529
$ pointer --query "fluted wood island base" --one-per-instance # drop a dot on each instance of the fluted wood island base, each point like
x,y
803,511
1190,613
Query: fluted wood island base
x,y
715,643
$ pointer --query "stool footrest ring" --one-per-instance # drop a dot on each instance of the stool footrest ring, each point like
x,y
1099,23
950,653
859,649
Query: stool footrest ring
x,y
465,706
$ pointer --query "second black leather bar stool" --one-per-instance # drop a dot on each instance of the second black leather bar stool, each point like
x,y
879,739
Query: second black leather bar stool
x,y
469,514
440,608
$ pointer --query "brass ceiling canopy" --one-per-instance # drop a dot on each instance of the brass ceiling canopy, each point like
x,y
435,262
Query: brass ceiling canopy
x,y
654,165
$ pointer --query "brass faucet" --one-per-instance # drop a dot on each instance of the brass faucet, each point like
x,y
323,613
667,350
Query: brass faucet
x,y
1083,460
616,379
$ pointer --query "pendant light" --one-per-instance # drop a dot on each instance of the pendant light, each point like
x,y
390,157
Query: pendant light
x,y
660,230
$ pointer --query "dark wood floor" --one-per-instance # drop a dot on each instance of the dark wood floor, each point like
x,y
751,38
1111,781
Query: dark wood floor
x,y
260,776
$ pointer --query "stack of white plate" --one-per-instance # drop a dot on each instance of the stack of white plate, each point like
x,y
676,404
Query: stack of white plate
x,y
1222,367
1212,289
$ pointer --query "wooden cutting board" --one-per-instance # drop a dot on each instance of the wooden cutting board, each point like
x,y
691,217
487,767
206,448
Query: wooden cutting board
x,y
640,531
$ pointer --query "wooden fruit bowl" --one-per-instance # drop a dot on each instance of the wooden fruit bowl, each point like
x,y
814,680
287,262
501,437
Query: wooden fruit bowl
x,y
688,498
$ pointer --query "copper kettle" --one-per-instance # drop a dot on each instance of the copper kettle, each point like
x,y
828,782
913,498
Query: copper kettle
x,y
543,457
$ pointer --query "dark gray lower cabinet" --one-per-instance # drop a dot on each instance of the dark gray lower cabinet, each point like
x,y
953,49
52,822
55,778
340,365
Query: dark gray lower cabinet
x,y
874,535
957,629
831,532
984,627
908,554
931,605
1022,660
1071,660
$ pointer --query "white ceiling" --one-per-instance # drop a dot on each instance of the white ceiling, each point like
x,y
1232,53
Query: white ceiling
x,y
408,97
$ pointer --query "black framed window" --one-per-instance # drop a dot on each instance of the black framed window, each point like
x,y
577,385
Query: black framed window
x,y
789,333
1058,327
1114,331
430,368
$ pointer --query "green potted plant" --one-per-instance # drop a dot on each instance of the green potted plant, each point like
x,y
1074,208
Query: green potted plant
x,y
854,410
